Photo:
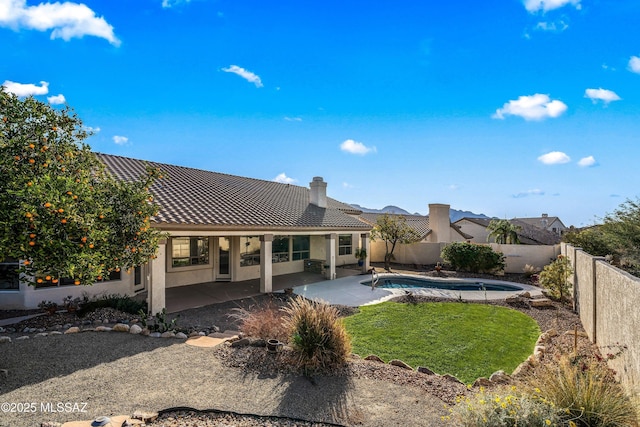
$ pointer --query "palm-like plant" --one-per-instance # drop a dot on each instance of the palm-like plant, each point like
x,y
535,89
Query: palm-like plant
x,y
503,232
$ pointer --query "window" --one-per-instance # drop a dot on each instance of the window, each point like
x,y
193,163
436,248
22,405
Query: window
x,y
280,249
51,282
186,251
9,275
300,247
344,244
250,251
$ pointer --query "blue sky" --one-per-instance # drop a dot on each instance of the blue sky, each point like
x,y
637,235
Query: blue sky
x,y
509,108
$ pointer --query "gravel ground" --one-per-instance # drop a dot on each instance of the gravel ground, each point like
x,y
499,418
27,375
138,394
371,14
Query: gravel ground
x,y
117,373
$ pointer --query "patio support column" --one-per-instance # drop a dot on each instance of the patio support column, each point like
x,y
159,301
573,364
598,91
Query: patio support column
x,y
156,296
330,260
365,242
266,266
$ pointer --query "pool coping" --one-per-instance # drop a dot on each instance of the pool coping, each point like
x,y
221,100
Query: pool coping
x,y
350,291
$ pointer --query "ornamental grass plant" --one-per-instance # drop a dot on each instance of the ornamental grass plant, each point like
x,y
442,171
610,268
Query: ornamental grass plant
x,y
585,392
506,407
317,335
266,322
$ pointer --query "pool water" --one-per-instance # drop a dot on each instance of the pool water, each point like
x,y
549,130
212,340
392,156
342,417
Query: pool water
x,y
470,285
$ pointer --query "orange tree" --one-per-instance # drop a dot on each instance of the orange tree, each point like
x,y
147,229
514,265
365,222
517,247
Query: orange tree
x,y
61,212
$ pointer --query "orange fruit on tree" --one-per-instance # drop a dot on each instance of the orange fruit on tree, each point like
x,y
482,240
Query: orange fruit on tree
x,y
91,245
26,262
60,210
76,282
47,278
32,235
28,214
47,205
54,281
84,239
32,161
29,184
32,146
32,243
39,281
64,221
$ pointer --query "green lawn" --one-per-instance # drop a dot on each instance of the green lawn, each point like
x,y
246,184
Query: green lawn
x,y
465,340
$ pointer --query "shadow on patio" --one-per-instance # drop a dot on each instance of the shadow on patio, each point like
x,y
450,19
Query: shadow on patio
x,y
203,294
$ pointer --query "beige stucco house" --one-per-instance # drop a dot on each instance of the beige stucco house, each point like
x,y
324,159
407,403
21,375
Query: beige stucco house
x,y
528,234
223,228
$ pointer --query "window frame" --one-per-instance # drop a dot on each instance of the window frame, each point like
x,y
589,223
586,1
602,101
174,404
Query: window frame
x,y
345,249
204,257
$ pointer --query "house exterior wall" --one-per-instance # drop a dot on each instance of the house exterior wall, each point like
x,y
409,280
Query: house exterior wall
x,y
607,301
478,232
31,296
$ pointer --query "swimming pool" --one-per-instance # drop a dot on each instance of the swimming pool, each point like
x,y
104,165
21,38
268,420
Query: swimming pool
x,y
407,282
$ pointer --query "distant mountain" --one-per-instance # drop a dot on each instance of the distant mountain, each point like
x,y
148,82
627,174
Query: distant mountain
x,y
387,209
454,214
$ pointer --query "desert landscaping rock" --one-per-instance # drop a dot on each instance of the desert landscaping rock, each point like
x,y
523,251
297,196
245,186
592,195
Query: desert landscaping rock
x,y
425,370
482,382
121,327
72,330
374,358
499,377
135,329
400,364
5,339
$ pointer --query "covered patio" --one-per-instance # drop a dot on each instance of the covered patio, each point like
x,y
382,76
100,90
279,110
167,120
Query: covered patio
x,y
203,294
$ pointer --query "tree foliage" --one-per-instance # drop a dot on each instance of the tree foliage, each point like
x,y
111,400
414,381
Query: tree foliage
x,y
554,277
594,240
623,228
503,232
60,210
393,229
472,257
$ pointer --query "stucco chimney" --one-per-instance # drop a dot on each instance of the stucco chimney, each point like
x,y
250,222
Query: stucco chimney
x,y
318,193
439,223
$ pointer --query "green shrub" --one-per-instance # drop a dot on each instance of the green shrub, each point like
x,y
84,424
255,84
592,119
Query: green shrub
x,y
503,408
472,257
554,277
318,336
265,322
585,393
119,302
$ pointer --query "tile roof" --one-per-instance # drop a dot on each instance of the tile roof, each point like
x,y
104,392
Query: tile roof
x,y
419,223
190,196
528,234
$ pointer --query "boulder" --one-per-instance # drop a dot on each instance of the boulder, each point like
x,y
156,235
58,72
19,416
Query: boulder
x,y
168,334
72,330
374,358
181,335
135,329
121,327
482,382
400,364
499,377
426,371
5,339
451,378
103,329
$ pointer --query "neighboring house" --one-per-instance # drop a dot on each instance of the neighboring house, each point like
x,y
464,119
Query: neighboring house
x,y
528,234
223,228
546,222
433,228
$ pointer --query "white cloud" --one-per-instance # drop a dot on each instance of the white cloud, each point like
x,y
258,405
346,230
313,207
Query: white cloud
x,y
634,64
556,27
454,187
91,130
26,89
586,162
65,20
601,95
245,74
534,192
56,99
284,179
533,6
166,4
354,147
347,185
534,107
554,158
293,119
120,140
